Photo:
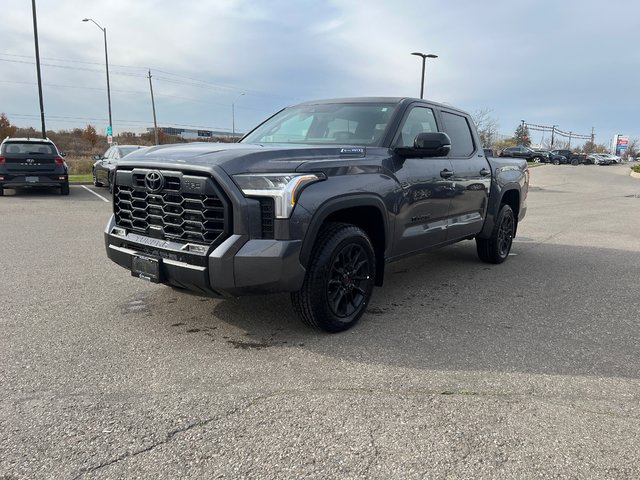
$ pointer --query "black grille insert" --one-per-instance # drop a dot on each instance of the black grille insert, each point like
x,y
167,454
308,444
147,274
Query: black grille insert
x,y
267,214
202,217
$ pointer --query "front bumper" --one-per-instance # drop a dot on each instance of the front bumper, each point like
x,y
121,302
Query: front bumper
x,y
238,266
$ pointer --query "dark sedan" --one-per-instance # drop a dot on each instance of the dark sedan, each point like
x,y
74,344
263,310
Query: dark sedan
x,y
105,165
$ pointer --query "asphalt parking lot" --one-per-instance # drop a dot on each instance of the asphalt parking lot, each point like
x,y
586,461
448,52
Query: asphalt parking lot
x,y
459,369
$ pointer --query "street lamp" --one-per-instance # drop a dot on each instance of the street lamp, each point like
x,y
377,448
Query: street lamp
x,y
106,61
424,58
233,115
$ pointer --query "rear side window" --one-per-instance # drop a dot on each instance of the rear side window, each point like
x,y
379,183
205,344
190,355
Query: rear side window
x,y
460,134
28,148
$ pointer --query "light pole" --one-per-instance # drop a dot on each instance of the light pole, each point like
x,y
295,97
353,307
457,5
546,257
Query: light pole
x,y
106,62
233,115
424,58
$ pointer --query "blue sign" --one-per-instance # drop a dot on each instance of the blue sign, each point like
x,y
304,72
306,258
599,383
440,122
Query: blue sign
x,y
109,131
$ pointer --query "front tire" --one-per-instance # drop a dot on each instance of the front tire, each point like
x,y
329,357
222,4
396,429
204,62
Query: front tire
x,y
339,280
556,161
496,248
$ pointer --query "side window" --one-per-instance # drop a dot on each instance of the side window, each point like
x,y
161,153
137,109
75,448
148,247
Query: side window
x,y
460,134
419,120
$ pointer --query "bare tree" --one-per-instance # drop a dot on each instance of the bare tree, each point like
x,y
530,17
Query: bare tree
x,y
487,126
632,149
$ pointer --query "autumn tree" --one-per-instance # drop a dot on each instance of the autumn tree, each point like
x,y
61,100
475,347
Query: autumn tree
x,y
6,129
505,143
90,135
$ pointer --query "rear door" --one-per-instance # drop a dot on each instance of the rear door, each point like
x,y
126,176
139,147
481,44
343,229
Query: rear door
x,y
471,177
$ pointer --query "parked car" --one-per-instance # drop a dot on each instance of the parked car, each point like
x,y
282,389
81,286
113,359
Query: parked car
x,y
550,157
599,159
106,164
613,158
568,157
31,162
527,153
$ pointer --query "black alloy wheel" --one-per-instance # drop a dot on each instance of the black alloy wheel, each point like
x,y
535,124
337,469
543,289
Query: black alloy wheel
x,y
496,248
339,280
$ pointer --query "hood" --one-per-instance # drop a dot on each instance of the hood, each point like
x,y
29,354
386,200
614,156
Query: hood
x,y
239,157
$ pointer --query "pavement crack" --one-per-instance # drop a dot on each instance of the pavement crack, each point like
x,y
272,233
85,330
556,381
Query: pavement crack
x,y
168,438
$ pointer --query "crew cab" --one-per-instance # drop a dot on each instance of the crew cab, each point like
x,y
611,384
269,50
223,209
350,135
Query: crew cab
x,y
314,201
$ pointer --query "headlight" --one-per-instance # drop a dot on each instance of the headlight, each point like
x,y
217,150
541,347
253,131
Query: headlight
x,y
284,188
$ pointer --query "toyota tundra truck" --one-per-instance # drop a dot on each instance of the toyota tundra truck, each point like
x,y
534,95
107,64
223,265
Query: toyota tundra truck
x,y
314,201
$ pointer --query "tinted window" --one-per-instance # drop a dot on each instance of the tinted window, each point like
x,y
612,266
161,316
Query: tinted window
x,y
29,148
460,134
419,120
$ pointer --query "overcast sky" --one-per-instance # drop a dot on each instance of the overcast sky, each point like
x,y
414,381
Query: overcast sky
x,y
574,64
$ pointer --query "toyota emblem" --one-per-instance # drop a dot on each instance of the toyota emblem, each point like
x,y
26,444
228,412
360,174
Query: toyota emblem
x,y
154,181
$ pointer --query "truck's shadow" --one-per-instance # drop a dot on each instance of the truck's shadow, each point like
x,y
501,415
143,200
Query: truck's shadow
x,y
546,310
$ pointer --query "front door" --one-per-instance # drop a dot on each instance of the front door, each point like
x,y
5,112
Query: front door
x,y
426,189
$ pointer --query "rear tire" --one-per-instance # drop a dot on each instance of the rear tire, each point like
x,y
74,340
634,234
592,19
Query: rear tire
x,y
64,189
575,161
339,280
1,191
496,248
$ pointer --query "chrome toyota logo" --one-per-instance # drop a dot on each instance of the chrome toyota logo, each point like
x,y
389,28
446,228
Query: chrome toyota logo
x,y
154,181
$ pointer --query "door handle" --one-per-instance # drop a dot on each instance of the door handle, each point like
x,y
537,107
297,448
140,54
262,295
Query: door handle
x,y
446,173
484,172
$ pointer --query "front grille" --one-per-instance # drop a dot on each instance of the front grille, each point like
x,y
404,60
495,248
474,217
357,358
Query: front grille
x,y
200,215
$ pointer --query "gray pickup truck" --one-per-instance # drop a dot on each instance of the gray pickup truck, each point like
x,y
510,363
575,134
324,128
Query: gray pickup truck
x,y
314,201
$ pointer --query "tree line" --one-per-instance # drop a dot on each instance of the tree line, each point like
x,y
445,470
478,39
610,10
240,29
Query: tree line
x,y
87,142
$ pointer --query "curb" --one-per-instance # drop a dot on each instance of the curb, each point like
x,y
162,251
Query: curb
x,y
634,174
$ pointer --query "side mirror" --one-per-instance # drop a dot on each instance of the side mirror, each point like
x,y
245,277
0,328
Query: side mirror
x,y
428,144
97,157
62,154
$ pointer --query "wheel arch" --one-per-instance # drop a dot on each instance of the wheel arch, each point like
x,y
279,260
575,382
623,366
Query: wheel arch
x,y
509,196
367,212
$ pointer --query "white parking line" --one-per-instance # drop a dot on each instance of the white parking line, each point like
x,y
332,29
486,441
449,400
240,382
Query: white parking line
x,y
96,194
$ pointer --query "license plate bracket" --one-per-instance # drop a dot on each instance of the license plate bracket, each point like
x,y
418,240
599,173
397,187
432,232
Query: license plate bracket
x,y
146,268
32,179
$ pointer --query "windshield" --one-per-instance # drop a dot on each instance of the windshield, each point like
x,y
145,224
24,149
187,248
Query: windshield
x,y
326,124
127,150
